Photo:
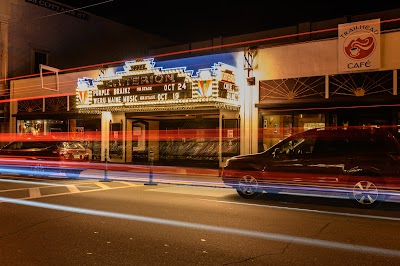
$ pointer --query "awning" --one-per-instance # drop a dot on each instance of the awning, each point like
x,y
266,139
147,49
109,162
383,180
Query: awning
x,y
330,103
54,115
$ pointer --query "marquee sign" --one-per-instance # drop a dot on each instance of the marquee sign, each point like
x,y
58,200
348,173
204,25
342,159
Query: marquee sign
x,y
141,83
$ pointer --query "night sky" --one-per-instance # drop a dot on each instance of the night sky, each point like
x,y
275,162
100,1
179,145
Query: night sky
x,y
191,21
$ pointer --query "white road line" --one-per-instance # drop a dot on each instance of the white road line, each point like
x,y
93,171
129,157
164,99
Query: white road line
x,y
193,190
102,185
128,183
73,188
308,210
34,192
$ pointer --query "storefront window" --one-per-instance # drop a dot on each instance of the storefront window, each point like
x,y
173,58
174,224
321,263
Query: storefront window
x,y
34,127
278,127
45,126
190,140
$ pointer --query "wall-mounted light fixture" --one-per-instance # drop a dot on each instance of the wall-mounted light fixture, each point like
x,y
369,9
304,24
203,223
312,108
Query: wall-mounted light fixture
x,y
251,81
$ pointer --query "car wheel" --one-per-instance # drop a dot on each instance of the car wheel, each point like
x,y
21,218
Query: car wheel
x,y
72,175
248,187
39,171
366,195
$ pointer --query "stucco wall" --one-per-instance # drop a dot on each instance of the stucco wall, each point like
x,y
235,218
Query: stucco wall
x,y
70,41
316,58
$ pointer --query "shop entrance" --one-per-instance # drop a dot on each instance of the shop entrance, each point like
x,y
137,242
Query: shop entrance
x,y
191,142
180,140
137,141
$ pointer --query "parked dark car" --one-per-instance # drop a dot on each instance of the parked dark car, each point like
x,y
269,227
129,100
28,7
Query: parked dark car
x,y
34,156
359,163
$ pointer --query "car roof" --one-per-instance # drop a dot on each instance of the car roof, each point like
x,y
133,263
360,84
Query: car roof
x,y
47,137
346,132
348,129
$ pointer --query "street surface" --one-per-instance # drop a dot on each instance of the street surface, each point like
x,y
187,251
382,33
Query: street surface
x,y
122,218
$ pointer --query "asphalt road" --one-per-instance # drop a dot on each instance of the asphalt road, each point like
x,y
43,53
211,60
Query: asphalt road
x,y
118,222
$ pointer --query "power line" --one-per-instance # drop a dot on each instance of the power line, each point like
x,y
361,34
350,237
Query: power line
x,y
79,8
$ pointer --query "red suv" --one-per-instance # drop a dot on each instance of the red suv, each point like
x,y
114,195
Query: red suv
x,y
362,164
43,157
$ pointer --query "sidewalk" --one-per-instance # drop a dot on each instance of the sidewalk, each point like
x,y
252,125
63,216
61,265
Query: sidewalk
x,y
157,174
156,168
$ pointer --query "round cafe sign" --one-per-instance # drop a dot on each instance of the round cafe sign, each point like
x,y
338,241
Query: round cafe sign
x,y
359,45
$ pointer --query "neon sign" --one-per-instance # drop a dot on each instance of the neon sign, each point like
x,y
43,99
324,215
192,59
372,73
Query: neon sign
x,y
140,82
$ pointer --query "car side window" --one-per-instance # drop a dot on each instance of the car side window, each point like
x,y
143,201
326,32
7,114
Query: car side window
x,y
368,144
25,146
36,145
308,146
14,146
290,148
326,146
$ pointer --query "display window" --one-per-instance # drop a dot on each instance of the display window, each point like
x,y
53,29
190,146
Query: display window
x,y
42,126
277,127
34,127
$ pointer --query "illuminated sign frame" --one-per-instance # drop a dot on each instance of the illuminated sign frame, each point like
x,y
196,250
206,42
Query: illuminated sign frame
x,y
140,83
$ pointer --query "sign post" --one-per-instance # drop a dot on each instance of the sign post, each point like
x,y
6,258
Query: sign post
x,y
105,179
151,169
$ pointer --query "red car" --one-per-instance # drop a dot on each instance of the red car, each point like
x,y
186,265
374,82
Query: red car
x,y
43,157
362,164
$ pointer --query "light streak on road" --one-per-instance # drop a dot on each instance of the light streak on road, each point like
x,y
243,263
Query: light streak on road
x,y
29,182
225,230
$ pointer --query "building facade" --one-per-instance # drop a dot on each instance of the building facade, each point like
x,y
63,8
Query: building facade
x,y
35,33
177,112
324,83
242,99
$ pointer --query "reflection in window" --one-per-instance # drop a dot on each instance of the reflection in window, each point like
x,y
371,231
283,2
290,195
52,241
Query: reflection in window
x,y
308,126
292,148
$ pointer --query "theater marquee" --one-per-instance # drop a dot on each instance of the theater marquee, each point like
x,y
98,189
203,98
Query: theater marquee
x,y
143,84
